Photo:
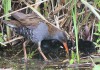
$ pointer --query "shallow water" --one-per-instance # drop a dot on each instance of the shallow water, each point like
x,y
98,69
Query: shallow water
x,y
36,64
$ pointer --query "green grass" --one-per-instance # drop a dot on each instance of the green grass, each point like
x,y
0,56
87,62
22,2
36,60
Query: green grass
x,y
7,6
76,29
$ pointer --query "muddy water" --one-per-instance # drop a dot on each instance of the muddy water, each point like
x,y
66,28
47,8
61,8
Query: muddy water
x,y
36,64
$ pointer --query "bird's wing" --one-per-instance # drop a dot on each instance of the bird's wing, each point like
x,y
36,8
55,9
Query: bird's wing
x,y
27,20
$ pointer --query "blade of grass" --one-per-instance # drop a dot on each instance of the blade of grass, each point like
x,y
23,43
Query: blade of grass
x,y
7,7
76,29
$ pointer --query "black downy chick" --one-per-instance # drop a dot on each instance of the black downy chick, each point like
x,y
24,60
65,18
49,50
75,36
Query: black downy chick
x,y
53,48
86,47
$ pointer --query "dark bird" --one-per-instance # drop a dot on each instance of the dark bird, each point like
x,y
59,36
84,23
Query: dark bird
x,y
56,47
86,47
35,29
53,48
50,45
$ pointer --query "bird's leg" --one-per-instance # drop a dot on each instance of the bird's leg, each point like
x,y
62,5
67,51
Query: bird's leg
x,y
24,49
39,48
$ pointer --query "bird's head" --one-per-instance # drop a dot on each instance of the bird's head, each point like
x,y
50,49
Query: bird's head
x,y
55,33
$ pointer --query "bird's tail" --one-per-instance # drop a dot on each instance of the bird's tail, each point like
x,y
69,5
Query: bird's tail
x,y
9,23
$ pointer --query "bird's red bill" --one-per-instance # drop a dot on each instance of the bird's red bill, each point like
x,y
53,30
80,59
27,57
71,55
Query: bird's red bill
x,y
66,47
